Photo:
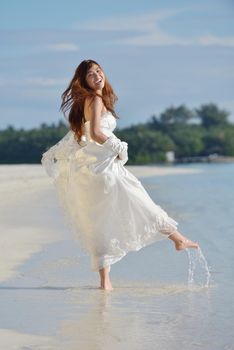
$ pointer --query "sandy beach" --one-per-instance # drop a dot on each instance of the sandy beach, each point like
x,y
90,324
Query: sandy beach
x,y
50,298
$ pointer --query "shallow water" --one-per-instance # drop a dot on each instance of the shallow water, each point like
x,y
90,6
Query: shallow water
x,y
162,299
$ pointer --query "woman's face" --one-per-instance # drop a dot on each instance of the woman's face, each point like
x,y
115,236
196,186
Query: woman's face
x,y
95,78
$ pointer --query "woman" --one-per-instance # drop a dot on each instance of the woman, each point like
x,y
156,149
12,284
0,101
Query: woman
x,y
109,210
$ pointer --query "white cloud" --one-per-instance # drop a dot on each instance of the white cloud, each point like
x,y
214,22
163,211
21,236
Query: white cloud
x,y
62,47
143,22
33,82
159,38
211,40
154,38
145,30
39,81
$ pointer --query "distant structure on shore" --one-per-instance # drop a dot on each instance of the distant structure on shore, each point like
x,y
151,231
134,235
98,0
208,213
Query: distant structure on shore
x,y
211,158
170,157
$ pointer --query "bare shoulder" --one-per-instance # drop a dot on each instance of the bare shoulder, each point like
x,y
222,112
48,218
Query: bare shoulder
x,y
96,103
93,106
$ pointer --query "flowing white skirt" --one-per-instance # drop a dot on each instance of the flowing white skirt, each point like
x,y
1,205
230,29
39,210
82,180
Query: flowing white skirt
x,y
109,210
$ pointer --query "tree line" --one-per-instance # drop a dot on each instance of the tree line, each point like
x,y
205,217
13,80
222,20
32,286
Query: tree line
x,y
188,133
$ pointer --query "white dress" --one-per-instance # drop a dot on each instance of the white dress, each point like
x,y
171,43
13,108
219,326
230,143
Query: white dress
x,y
108,209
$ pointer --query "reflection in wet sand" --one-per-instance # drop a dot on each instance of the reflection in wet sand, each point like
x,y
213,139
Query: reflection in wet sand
x,y
12,340
134,316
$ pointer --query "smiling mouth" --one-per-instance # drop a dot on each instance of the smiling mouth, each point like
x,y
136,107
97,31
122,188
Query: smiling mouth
x,y
98,81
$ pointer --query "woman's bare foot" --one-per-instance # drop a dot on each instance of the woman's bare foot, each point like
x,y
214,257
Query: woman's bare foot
x,y
182,242
105,279
180,245
107,286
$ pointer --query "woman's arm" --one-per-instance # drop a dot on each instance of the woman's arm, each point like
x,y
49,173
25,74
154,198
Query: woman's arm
x,y
94,111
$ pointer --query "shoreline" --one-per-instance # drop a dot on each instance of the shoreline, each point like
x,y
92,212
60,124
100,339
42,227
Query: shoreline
x,y
159,170
35,172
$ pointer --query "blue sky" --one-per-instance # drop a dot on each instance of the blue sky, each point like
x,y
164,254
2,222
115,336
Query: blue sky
x,y
155,53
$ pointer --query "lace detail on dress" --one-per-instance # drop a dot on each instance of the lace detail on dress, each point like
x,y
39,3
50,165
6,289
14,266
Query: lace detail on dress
x,y
56,159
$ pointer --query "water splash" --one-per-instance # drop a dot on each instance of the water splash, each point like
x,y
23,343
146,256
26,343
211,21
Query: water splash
x,y
196,261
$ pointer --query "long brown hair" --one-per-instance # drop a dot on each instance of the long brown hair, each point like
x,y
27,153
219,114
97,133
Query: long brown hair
x,y
73,98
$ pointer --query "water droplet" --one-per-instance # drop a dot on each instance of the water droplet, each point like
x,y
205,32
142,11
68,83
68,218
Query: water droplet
x,y
197,260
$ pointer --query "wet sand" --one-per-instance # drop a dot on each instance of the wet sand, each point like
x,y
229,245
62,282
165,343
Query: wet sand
x,y
50,298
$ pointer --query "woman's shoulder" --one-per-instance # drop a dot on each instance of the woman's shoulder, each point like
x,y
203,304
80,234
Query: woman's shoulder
x,y
91,101
93,105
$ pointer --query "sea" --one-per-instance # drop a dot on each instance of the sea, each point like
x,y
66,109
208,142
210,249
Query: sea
x,y
162,299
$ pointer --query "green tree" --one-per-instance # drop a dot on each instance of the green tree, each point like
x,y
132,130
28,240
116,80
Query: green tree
x,y
188,140
146,146
220,140
148,142
173,115
210,115
228,148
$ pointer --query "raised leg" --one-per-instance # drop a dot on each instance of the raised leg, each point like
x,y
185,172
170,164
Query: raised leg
x,y
105,279
181,242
